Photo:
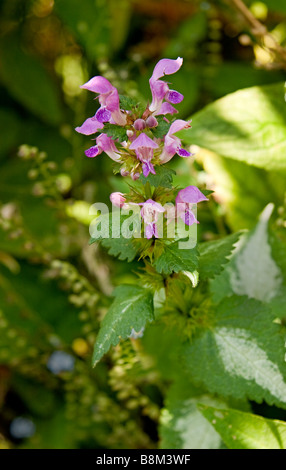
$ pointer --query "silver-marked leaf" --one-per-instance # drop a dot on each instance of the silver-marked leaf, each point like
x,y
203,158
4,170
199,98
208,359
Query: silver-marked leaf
x,y
241,354
252,271
255,272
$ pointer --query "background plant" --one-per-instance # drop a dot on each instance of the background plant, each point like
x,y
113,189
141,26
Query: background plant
x,y
55,289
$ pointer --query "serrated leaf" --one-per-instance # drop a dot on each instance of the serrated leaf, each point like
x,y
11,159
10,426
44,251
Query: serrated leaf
x,y
127,103
111,237
240,430
214,255
131,308
121,248
174,259
163,177
115,132
241,354
232,128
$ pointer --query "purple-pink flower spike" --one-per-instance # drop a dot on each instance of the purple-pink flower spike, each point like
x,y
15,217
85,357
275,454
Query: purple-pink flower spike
x,y
141,150
140,140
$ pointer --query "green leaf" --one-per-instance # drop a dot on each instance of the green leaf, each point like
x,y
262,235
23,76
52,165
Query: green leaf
x,y
241,354
252,270
122,248
115,132
131,308
230,76
12,125
214,255
248,125
182,425
256,273
127,103
163,177
161,130
240,430
90,24
276,5
175,259
29,83
111,235
235,181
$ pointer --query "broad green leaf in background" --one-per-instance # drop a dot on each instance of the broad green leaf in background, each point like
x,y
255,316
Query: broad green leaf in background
x,y
99,26
231,76
276,5
29,83
10,124
242,190
131,308
89,24
248,125
241,430
242,354
193,30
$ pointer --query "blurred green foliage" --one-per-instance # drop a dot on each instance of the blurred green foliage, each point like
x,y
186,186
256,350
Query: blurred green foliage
x,y
55,288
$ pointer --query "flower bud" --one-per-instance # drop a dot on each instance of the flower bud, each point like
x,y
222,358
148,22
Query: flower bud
x,y
139,124
151,121
117,199
124,172
134,175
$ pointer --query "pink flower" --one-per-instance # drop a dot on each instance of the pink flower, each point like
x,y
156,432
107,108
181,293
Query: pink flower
x,y
90,126
103,144
150,212
144,149
184,202
160,89
109,100
172,144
